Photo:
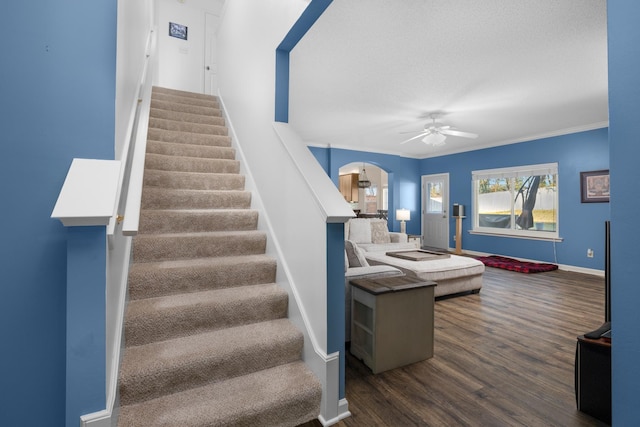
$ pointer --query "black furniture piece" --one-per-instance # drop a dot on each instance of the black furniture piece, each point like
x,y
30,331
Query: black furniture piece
x,y
593,377
593,354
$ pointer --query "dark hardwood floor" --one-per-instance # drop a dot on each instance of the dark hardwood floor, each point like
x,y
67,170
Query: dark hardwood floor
x,y
503,357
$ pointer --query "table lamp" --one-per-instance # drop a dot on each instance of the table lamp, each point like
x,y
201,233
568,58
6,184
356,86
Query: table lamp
x,y
403,215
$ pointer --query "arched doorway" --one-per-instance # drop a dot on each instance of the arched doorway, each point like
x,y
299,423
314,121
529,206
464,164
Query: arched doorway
x,y
369,201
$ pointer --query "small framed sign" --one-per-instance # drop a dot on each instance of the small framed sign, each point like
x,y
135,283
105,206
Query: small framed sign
x,y
594,186
178,31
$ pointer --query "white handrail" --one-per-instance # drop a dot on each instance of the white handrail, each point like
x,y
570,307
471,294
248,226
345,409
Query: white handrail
x,y
120,244
134,182
133,125
330,203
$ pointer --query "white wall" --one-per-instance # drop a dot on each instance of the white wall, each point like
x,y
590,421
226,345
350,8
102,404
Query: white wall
x,y
181,62
248,36
135,20
297,205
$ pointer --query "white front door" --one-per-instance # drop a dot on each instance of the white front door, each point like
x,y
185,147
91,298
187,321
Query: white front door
x,y
435,214
211,54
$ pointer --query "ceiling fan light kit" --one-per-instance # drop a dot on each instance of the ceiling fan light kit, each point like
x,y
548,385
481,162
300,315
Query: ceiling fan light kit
x,y
436,132
434,139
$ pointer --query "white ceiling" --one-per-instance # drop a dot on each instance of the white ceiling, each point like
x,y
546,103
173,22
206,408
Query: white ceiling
x,y
508,70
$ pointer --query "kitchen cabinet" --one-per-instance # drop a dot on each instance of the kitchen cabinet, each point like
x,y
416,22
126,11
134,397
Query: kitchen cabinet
x,y
348,185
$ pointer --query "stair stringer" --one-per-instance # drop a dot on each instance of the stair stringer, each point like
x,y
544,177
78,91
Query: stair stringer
x,y
325,366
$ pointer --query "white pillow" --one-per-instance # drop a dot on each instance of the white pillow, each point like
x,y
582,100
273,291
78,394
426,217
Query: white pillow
x,y
360,230
379,231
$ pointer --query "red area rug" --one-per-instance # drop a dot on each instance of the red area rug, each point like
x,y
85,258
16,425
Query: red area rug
x,y
515,265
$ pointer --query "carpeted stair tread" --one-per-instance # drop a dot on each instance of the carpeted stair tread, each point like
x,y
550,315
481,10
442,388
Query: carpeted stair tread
x,y
188,138
194,180
153,279
190,164
177,92
206,335
170,366
186,117
196,220
185,108
160,247
162,318
283,396
168,198
179,126
190,150
187,100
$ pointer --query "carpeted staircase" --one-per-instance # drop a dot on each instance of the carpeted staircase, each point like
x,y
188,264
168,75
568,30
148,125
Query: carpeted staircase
x,y
207,339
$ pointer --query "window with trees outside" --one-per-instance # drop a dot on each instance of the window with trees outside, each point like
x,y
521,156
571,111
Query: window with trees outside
x,y
518,201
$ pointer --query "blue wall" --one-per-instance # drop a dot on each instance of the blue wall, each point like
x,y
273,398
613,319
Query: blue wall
x,y
404,179
58,99
624,106
581,225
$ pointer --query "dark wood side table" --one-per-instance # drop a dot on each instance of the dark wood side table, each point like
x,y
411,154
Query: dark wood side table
x,y
593,377
392,321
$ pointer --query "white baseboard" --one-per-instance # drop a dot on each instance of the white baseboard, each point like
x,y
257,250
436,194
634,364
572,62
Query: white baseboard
x,y
96,419
343,412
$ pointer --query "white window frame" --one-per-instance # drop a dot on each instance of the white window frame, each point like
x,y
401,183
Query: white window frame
x,y
512,173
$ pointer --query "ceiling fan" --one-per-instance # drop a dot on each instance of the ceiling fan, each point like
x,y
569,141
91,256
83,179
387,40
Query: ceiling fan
x,y
435,133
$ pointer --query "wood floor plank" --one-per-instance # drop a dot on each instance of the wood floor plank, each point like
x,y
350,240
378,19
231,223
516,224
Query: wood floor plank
x,y
503,357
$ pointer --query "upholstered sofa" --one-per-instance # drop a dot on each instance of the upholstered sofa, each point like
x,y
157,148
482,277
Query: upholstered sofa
x,y
372,235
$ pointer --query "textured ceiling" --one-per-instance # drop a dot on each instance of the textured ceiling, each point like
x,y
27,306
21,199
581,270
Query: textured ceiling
x,y
507,70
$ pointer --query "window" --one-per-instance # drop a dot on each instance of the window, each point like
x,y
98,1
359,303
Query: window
x,y
434,199
519,201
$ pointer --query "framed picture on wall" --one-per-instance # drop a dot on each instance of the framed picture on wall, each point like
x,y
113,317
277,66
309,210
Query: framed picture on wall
x,y
594,186
178,31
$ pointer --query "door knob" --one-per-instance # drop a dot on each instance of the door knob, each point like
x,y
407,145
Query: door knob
x,y
207,68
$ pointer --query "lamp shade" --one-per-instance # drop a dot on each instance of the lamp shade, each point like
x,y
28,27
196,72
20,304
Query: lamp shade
x,y
403,215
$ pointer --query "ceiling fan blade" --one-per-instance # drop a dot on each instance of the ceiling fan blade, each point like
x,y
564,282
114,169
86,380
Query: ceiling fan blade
x,y
459,133
416,137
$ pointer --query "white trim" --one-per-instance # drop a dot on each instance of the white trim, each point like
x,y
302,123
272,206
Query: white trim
x,y
456,149
333,207
510,174
115,340
134,179
516,171
88,195
131,124
256,201
325,366
118,259
518,234
96,419
343,412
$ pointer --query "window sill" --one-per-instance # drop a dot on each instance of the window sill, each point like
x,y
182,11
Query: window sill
x,y
517,236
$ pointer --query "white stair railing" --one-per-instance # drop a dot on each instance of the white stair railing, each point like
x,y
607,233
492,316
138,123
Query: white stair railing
x,y
123,224
130,185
